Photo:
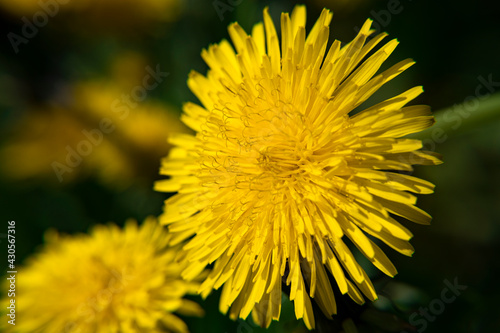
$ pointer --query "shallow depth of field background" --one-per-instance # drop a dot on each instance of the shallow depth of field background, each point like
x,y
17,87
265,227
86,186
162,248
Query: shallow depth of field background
x,y
73,70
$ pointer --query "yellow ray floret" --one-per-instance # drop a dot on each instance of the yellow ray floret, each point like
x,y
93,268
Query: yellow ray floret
x,y
280,171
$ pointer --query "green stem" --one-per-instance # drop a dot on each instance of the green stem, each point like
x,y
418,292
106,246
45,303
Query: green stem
x,y
473,112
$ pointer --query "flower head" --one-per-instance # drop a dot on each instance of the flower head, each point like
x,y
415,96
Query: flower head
x,y
111,281
281,172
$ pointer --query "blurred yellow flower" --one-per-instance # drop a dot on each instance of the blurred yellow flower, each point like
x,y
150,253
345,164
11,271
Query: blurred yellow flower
x,y
281,171
113,280
113,11
43,141
100,128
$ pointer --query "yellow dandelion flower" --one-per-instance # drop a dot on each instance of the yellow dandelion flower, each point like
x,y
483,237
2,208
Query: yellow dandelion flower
x,y
115,280
111,12
104,132
280,171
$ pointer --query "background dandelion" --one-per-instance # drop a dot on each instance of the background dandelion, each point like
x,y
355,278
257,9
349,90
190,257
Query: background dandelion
x,y
101,283
454,46
93,128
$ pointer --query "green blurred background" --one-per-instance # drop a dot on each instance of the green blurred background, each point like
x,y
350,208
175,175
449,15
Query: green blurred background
x,y
66,76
